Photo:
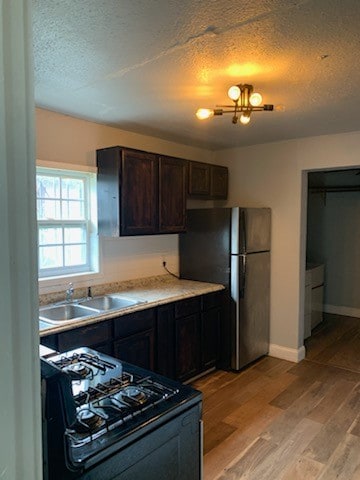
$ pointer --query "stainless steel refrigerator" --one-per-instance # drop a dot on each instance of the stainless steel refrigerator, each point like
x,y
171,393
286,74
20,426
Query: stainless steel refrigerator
x,y
231,246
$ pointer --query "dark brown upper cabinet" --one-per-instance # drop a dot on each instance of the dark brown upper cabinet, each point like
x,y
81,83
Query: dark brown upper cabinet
x,y
218,181
207,181
172,194
140,193
199,179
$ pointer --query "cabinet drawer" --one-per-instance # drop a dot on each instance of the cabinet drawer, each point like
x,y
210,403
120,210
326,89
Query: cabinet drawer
x,y
212,300
85,336
187,307
50,341
134,323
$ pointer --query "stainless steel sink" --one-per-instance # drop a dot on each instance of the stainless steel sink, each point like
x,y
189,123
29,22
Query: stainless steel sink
x,y
110,302
63,313
85,308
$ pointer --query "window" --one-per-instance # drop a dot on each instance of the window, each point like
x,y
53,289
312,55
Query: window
x,y
66,225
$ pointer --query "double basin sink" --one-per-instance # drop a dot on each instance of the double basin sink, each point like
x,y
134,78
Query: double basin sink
x,y
85,308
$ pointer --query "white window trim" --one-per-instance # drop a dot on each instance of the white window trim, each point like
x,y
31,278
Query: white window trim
x,y
53,284
66,166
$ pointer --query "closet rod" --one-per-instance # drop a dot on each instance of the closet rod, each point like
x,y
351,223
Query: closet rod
x,y
345,188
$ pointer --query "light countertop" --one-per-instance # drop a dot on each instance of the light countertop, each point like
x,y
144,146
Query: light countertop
x,y
153,291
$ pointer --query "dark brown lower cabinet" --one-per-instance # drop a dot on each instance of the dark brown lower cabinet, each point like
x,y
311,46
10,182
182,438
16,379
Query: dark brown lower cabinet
x,y
210,337
137,349
134,338
187,343
188,336
106,348
50,341
165,355
130,338
97,336
94,335
179,340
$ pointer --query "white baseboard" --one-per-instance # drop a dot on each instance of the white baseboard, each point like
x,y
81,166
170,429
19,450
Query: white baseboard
x,y
339,310
286,353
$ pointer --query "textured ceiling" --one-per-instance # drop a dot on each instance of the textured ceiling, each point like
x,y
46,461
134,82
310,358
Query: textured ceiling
x,y
147,65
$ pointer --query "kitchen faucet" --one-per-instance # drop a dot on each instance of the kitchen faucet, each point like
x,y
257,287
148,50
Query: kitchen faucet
x,y
69,293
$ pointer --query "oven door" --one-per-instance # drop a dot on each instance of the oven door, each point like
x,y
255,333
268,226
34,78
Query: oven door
x,y
170,452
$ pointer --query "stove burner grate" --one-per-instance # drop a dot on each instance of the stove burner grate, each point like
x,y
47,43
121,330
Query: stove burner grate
x,y
78,370
88,420
105,396
132,396
86,359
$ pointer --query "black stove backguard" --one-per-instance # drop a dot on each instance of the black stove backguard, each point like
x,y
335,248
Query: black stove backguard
x,y
103,423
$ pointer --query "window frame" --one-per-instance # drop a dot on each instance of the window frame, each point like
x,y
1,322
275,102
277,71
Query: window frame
x,y
89,224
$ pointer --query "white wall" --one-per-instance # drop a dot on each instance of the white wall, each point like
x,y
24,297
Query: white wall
x,y
263,175
65,139
273,175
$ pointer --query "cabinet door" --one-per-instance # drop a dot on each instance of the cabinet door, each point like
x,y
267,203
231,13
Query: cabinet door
x,y
187,346
210,335
139,193
165,354
137,349
199,179
172,194
108,162
218,181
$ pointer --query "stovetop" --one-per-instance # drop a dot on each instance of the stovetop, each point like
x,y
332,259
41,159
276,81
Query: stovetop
x,y
113,400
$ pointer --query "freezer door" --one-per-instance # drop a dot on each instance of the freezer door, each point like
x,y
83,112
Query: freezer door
x,y
250,292
205,247
250,230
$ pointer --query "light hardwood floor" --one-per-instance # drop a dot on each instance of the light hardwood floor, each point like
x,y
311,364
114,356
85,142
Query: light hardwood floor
x,y
283,421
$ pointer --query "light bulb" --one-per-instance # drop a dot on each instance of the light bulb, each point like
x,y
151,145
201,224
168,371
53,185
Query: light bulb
x,y
255,99
204,113
234,93
245,118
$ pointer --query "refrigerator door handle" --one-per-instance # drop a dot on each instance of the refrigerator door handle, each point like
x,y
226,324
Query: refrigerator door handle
x,y
242,276
235,296
242,231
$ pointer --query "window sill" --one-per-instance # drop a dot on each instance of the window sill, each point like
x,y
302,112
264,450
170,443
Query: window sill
x,y
56,284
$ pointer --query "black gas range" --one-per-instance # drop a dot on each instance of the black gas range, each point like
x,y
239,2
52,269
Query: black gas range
x,y
108,420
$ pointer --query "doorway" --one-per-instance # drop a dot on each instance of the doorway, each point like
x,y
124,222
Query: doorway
x,y
332,303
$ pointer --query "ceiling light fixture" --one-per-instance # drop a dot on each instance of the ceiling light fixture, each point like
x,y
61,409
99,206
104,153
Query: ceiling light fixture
x,y
245,101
